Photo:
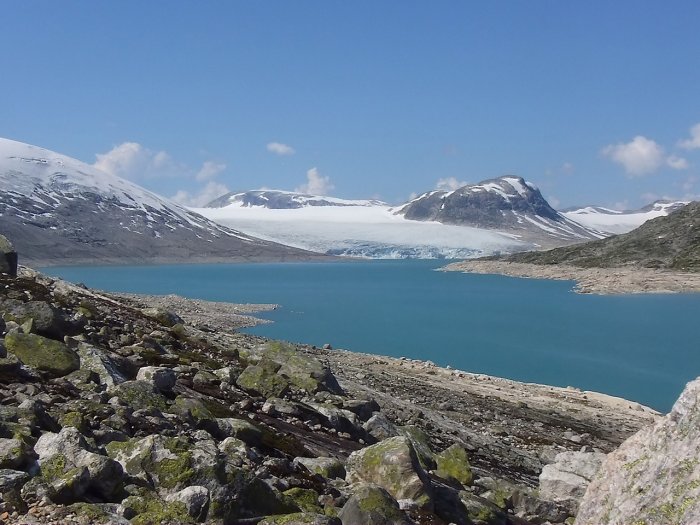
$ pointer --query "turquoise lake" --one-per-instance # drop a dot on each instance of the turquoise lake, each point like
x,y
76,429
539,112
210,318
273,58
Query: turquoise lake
x,y
641,347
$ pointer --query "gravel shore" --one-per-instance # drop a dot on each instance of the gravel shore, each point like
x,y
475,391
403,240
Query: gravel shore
x,y
590,280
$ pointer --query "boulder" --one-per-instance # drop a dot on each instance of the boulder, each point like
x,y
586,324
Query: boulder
x,y
138,395
565,481
12,480
263,379
393,465
380,427
14,453
8,257
193,410
226,427
196,501
39,317
45,355
481,511
299,371
95,360
164,317
162,378
329,468
339,419
372,505
421,444
453,465
70,468
654,476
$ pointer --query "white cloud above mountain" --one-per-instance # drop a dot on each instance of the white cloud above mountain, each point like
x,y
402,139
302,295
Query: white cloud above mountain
x,y
450,184
316,184
641,156
133,161
210,191
209,170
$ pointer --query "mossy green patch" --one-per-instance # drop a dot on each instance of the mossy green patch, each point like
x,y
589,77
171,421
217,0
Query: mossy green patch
x,y
46,355
453,463
305,499
151,510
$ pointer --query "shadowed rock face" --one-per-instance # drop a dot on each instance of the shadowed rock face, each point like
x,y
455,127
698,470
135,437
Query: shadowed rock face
x,y
654,477
8,257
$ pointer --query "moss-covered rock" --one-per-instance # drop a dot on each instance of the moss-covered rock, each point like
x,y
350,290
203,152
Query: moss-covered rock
x,y
300,518
372,505
453,464
393,465
305,499
191,409
329,468
139,395
303,372
149,509
263,379
237,428
481,511
14,453
45,355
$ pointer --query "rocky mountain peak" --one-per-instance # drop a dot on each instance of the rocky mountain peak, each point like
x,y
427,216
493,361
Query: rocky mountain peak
x,y
504,203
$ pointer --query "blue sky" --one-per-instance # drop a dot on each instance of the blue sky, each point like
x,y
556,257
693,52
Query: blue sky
x,y
595,102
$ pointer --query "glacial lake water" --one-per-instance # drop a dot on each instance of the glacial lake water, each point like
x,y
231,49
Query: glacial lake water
x,y
641,347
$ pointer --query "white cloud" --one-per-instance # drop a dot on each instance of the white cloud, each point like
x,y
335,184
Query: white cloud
x,y
639,157
677,163
280,149
450,183
208,193
209,170
316,184
553,202
131,160
694,141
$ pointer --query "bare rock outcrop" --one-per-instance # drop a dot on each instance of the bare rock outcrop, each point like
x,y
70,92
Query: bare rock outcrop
x,y
654,477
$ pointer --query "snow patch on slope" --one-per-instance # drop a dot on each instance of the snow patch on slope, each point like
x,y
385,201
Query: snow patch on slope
x,y
616,222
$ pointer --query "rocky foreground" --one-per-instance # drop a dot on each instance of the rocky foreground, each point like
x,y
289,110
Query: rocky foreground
x,y
590,280
114,409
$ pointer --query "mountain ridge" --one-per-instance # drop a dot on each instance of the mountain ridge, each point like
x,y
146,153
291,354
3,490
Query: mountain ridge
x,y
56,209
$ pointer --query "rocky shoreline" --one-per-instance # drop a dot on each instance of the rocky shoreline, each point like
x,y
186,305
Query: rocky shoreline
x,y
625,280
117,409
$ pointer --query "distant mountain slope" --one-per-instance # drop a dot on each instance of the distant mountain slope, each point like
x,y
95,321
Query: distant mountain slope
x,y
671,242
506,204
56,209
616,222
283,200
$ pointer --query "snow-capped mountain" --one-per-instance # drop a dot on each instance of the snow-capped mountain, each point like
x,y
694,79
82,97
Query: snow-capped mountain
x,y
359,228
507,204
57,209
615,222
283,200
